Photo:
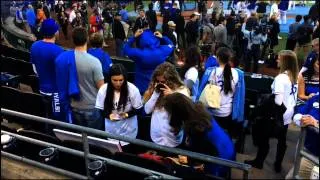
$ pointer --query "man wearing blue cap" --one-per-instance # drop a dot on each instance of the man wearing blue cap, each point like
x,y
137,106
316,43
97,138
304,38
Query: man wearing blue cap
x,y
43,55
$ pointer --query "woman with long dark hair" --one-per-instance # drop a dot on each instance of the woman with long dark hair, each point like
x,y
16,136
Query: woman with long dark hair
x,y
189,72
203,134
308,81
226,78
120,102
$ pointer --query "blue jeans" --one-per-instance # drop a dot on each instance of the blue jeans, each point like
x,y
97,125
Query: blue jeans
x,y
88,118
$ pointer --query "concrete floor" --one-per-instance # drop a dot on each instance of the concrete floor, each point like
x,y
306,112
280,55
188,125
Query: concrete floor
x,y
267,172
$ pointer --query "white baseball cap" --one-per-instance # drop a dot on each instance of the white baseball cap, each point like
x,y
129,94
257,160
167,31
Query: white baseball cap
x,y
171,23
196,13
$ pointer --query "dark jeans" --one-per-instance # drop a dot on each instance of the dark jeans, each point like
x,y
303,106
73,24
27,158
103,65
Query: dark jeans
x,y
119,47
253,54
88,118
181,39
263,145
291,44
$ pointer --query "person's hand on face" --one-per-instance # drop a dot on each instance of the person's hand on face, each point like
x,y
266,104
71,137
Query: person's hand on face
x,y
158,34
138,33
166,90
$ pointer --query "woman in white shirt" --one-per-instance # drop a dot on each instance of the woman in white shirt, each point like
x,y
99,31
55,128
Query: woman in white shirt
x,y
226,78
165,81
189,71
274,9
284,88
119,102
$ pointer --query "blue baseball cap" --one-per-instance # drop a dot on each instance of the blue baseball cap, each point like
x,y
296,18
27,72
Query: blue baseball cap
x,y
49,27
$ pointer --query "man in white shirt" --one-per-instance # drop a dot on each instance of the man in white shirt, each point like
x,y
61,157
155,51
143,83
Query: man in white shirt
x,y
72,14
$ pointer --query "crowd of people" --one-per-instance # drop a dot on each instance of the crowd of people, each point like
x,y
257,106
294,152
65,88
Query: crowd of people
x,y
201,106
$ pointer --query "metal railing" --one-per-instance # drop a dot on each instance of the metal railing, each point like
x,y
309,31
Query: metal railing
x,y
86,154
302,152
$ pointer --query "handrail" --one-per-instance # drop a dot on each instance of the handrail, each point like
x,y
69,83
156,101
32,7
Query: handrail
x,y
91,156
194,155
44,166
300,152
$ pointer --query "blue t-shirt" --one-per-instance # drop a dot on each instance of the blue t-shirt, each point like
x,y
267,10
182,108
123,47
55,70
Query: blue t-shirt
x,y
312,108
43,55
103,57
211,62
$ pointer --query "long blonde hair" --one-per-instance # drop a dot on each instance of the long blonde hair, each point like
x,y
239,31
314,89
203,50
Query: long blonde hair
x,y
170,74
289,62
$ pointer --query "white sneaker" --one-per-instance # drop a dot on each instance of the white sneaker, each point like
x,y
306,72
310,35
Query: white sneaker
x,y
279,37
261,61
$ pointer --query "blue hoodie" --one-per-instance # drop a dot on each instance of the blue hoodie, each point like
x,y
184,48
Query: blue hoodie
x,y
103,57
312,139
148,56
217,142
238,97
211,62
67,80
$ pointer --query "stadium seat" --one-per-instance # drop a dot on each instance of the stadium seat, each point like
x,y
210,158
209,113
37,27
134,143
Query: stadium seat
x,y
32,103
131,76
10,80
127,63
32,81
10,98
15,53
15,66
120,173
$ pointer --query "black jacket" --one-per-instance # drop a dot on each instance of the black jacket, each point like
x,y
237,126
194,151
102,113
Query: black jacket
x,y
117,30
152,19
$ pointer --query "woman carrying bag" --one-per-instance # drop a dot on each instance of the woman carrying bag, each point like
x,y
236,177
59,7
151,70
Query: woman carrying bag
x,y
284,89
222,91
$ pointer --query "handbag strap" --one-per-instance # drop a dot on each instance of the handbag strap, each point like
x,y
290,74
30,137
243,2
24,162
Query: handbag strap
x,y
214,81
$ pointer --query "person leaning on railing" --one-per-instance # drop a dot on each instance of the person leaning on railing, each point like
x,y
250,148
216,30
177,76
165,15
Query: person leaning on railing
x,y
308,115
203,133
308,81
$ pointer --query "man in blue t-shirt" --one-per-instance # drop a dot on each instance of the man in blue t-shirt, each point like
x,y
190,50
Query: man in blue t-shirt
x,y
43,55
96,41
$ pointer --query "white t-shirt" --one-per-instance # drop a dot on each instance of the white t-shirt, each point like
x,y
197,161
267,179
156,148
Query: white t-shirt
x,y
226,99
72,15
160,129
125,127
282,85
274,10
193,75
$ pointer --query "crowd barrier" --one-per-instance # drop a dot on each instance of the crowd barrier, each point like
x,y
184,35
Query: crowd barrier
x,y
85,131
302,152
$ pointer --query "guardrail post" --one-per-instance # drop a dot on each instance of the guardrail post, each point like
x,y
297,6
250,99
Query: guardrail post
x,y
297,159
245,174
86,152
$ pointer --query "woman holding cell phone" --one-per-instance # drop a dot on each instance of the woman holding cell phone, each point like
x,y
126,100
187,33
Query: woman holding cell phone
x,y
119,102
165,80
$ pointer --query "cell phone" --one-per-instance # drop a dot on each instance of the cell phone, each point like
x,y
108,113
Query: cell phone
x,y
159,86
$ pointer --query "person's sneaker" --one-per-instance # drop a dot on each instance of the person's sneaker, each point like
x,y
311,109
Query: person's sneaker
x,y
279,37
254,163
277,167
261,61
